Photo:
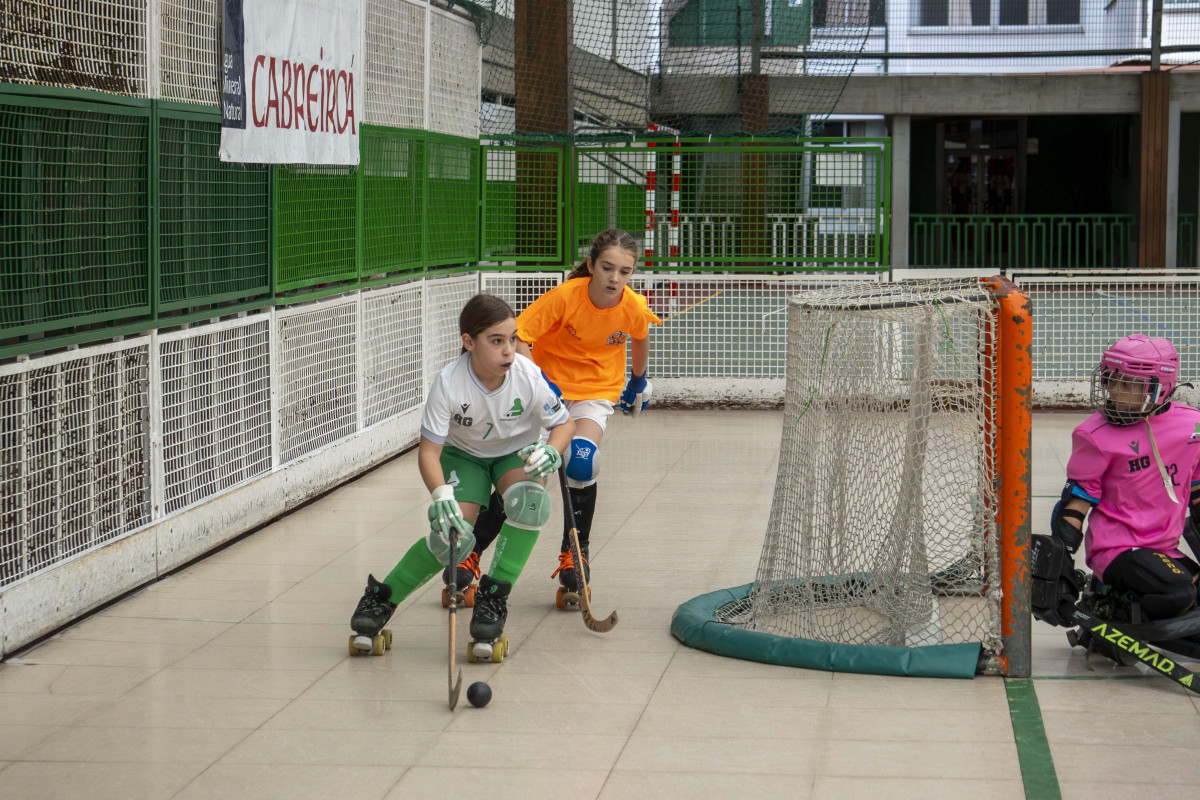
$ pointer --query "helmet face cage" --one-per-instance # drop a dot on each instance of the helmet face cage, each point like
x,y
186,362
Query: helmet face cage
x,y
1124,399
1135,378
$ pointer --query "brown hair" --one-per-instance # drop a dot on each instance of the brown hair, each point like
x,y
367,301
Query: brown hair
x,y
613,237
482,312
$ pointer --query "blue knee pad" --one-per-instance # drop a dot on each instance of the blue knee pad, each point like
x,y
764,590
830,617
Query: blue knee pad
x,y
584,463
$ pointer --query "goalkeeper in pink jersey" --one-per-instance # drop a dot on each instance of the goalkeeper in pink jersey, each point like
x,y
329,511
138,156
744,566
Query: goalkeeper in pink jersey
x,y
1134,477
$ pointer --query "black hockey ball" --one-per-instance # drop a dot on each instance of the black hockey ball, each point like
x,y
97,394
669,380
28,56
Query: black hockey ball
x,y
479,694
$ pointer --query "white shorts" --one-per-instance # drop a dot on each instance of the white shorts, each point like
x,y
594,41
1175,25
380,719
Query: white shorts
x,y
598,411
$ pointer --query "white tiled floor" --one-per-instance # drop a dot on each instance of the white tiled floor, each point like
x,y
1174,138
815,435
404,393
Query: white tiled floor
x,y
230,679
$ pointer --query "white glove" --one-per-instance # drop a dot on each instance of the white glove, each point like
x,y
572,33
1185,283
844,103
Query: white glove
x,y
540,459
444,511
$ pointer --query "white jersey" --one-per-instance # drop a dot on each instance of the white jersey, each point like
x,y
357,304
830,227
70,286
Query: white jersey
x,y
461,412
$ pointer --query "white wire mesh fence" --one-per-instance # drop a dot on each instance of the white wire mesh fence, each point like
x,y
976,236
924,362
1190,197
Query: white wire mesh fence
x,y
422,64
216,408
395,64
189,62
392,370
76,454
233,401
454,75
78,44
1077,316
317,398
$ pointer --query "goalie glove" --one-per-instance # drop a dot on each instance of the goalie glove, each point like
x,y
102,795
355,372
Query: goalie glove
x,y
636,396
540,459
1056,584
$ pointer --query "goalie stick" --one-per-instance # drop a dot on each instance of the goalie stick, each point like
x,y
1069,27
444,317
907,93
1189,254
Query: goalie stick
x,y
1143,652
585,607
454,682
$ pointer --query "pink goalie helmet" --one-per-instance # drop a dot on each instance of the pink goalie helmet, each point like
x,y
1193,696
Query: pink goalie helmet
x,y
1134,378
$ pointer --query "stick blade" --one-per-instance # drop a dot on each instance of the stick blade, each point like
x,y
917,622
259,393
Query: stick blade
x,y
600,625
455,691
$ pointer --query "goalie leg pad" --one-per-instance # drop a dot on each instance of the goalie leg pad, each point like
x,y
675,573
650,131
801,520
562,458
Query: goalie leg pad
x,y
1055,582
583,467
1163,585
527,504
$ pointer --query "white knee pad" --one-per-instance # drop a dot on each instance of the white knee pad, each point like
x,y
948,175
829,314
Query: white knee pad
x,y
583,464
527,505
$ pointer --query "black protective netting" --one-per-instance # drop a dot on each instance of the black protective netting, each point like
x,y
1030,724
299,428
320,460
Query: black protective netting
x,y
616,59
714,67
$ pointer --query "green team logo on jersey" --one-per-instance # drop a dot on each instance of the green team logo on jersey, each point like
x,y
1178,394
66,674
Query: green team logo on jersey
x,y
516,410
1195,433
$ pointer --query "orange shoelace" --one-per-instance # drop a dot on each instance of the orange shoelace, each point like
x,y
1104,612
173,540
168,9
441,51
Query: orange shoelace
x,y
566,560
471,562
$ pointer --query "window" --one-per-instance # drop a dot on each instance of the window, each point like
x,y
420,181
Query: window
x,y
1008,12
848,13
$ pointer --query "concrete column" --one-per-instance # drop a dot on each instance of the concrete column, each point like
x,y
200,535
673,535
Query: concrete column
x,y
901,171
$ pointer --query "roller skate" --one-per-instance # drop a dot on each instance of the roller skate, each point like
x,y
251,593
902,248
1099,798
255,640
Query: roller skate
x,y
488,642
568,578
468,572
374,610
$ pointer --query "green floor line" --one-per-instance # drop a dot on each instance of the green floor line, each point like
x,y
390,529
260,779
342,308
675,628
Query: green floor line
x,y
1033,750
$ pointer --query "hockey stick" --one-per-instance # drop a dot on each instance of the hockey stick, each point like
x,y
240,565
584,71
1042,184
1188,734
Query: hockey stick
x,y
585,606
454,684
1134,647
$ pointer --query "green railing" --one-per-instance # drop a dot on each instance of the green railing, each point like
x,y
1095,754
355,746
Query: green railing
x,y
782,205
117,214
1186,238
1024,241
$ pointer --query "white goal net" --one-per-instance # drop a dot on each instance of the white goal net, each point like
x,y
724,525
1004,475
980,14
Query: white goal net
x,y
883,528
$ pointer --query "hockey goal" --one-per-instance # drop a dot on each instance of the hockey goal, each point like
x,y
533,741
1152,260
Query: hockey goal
x,y
899,522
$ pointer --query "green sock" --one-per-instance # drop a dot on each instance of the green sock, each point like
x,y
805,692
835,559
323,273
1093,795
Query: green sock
x,y
417,566
513,547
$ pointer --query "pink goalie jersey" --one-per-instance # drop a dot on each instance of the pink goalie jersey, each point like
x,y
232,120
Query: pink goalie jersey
x,y
1115,466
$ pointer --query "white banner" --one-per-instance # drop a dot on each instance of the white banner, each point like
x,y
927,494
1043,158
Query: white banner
x,y
292,88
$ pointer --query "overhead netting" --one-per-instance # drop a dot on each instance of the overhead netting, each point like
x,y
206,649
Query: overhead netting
x,y
883,529
600,67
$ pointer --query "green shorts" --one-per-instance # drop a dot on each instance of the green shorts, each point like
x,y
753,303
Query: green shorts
x,y
472,476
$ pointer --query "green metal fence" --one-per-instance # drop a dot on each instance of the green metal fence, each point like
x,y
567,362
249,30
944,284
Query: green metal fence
x,y
315,226
74,233
213,217
452,175
523,204
393,200
1024,241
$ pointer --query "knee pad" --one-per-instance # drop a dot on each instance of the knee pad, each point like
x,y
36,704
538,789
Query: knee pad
x,y
527,505
584,464
1171,603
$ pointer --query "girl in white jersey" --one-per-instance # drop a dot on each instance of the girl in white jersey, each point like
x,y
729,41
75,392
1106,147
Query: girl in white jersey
x,y
480,428
1134,476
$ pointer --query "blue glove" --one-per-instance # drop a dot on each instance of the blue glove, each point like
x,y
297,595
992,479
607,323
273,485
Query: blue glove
x,y
636,396
553,385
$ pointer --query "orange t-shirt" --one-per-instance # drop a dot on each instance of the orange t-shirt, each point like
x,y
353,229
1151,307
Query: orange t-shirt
x,y
581,347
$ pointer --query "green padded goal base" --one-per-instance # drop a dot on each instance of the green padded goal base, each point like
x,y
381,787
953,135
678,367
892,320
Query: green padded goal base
x,y
694,624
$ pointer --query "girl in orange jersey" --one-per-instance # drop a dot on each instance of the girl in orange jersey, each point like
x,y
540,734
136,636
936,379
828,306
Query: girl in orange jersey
x,y
577,333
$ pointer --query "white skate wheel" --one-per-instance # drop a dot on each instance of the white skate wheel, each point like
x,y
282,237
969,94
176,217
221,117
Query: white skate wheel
x,y
482,650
